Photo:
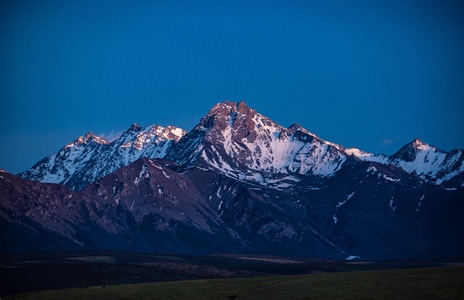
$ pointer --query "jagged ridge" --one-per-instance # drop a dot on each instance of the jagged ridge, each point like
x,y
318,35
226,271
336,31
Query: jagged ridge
x,y
241,143
239,182
90,157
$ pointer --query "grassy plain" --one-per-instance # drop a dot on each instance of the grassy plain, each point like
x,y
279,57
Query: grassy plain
x,y
445,282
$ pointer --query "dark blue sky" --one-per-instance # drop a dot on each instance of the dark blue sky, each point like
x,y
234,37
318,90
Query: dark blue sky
x,y
366,74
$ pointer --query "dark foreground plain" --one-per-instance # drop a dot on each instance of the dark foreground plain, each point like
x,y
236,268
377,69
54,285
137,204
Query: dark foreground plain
x,y
119,275
417,283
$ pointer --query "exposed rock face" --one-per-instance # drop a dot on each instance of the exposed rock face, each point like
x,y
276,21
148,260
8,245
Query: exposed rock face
x,y
429,162
238,182
236,140
90,157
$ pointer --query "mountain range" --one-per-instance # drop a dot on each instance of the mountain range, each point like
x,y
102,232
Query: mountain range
x,y
237,183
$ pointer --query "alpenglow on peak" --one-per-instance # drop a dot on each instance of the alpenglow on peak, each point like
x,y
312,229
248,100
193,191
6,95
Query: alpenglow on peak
x,y
239,142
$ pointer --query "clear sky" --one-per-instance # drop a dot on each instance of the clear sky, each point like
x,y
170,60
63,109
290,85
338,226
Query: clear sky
x,y
369,74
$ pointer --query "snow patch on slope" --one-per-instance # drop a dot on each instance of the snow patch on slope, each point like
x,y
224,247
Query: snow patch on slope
x,y
141,175
90,157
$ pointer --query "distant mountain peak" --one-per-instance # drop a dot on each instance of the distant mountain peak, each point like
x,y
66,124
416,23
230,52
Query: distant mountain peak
x,y
238,182
409,151
134,127
227,114
87,138
243,108
421,145
238,141
229,107
91,157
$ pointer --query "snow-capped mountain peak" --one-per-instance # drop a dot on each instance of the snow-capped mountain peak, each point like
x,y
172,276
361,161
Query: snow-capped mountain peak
x,y
240,182
410,151
87,138
419,144
91,157
429,162
241,143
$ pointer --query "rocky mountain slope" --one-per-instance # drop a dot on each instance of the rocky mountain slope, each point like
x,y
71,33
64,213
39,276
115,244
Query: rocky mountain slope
x,y
238,183
241,143
90,157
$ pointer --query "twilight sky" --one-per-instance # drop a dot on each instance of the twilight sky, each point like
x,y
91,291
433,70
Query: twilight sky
x,y
367,74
